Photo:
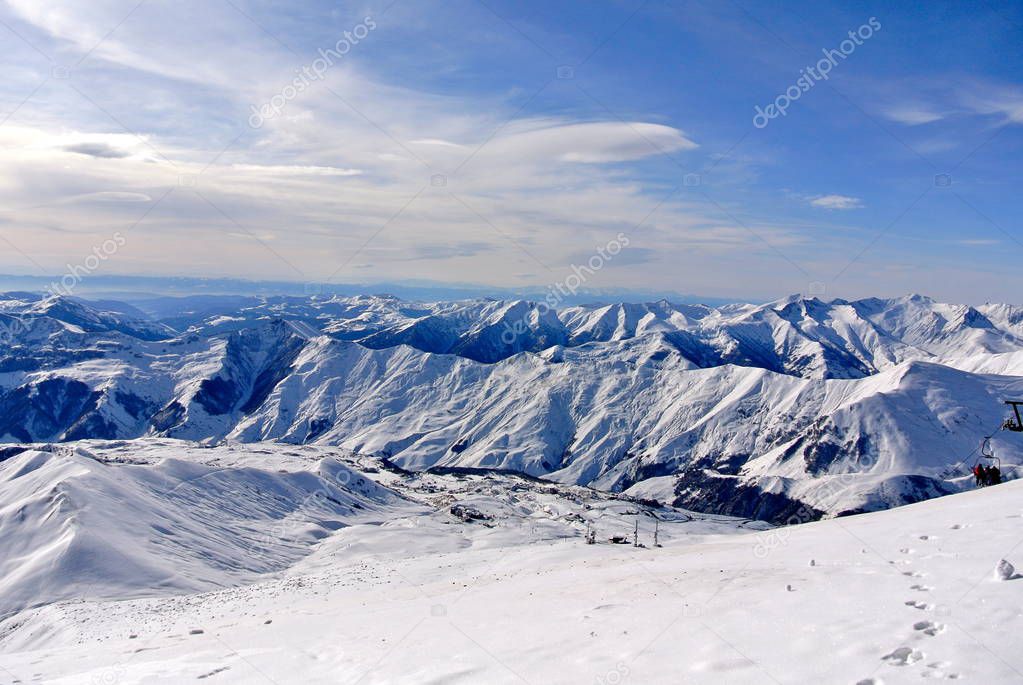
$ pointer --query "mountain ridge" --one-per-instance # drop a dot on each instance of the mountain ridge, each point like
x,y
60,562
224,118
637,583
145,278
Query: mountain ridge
x,y
725,408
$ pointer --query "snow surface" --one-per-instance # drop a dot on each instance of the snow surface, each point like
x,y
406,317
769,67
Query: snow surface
x,y
447,578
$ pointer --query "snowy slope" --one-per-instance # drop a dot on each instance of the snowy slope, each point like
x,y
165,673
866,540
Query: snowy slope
x,y
101,519
80,522
509,593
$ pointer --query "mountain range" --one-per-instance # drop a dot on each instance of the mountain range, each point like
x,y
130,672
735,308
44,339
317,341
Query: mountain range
x,y
795,408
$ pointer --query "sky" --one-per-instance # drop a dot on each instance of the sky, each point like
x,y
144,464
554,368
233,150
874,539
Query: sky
x,y
743,150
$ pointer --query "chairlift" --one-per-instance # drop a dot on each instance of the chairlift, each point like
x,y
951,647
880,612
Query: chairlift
x,y
1014,425
986,456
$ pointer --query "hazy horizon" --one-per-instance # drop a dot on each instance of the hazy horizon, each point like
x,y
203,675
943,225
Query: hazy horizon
x,y
135,288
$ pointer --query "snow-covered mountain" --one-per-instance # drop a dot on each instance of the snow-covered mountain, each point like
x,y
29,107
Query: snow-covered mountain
x,y
793,408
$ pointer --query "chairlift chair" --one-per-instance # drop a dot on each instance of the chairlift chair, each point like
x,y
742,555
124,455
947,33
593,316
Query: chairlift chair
x,y
1014,425
986,456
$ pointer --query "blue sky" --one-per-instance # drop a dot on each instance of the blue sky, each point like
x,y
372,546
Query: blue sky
x,y
504,143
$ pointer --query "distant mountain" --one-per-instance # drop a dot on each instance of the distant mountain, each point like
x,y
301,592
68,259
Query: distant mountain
x,y
794,407
19,311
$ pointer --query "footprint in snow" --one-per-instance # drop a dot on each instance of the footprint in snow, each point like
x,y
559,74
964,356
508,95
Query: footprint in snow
x,y
940,675
922,606
904,656
921,588
914,574
908,550
928,537
938,667
929,627
214,672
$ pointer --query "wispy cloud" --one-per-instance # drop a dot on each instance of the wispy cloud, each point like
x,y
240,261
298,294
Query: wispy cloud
x,y
978,242
935,101
1005,102
98,150
836,202
913,114
294,170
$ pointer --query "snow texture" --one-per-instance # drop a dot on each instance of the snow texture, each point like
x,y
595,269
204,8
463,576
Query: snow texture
x,y
379,575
